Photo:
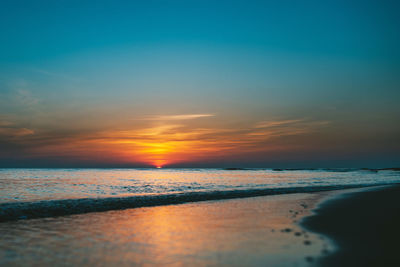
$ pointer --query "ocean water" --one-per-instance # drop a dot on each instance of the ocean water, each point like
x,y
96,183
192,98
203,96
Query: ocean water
x,y
22,185
32,193
50,217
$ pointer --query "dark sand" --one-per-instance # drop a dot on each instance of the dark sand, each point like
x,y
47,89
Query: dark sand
x,y
364,225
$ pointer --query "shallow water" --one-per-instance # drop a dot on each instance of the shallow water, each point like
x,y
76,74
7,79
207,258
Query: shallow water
x,y
259,231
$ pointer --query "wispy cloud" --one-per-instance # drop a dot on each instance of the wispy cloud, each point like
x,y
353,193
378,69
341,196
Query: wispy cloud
x,y
172,141
276,123
15,132
24,97
5,123
279,128
177,117
9,130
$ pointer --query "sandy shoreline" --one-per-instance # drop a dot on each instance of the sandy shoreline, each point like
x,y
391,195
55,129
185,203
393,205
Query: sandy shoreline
x,y
331,228
364,225
62,207
256,231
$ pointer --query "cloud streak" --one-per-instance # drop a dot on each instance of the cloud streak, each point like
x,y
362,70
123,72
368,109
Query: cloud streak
x,y
177,117
164,144
9,130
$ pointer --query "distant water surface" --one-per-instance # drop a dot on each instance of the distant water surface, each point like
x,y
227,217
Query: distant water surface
x,y
26,185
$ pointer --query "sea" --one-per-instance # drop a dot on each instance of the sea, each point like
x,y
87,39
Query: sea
x,y
167,217
31,193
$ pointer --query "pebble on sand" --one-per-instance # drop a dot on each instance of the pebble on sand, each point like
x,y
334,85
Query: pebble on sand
x,y
309,259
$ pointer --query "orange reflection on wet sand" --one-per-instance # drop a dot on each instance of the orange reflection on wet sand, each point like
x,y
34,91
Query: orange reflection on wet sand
x,y
242,232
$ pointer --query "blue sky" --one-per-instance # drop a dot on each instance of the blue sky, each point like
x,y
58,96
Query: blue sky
x,y
73,67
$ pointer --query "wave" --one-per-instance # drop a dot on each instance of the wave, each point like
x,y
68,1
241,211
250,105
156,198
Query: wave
x,y
336,169
52,208
324,169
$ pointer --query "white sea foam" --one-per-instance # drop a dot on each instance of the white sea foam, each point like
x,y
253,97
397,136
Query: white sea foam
x,y
32,193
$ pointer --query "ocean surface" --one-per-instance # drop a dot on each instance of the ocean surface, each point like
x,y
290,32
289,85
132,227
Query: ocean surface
x,y
17,185
49,217
31,193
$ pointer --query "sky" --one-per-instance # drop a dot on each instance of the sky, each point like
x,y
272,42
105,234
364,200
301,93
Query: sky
x,y
199,83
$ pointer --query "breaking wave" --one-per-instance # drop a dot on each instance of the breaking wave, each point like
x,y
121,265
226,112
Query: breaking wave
x,y
53,208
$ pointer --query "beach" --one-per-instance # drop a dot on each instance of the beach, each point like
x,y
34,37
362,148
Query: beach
x,y
364,226
217,218
257,231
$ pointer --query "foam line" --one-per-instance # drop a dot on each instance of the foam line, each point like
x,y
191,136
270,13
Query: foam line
x,y
52,208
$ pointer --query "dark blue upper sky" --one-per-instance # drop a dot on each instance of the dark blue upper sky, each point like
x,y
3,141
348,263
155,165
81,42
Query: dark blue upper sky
x,y
42,30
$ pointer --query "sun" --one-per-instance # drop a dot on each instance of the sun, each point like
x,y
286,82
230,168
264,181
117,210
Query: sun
x,y
158,167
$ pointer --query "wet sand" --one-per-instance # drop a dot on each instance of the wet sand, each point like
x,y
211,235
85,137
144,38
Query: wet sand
x,y
257,231
365,227
279,230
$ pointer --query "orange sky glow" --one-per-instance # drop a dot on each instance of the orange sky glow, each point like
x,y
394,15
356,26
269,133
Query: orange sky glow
x,y
174,139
